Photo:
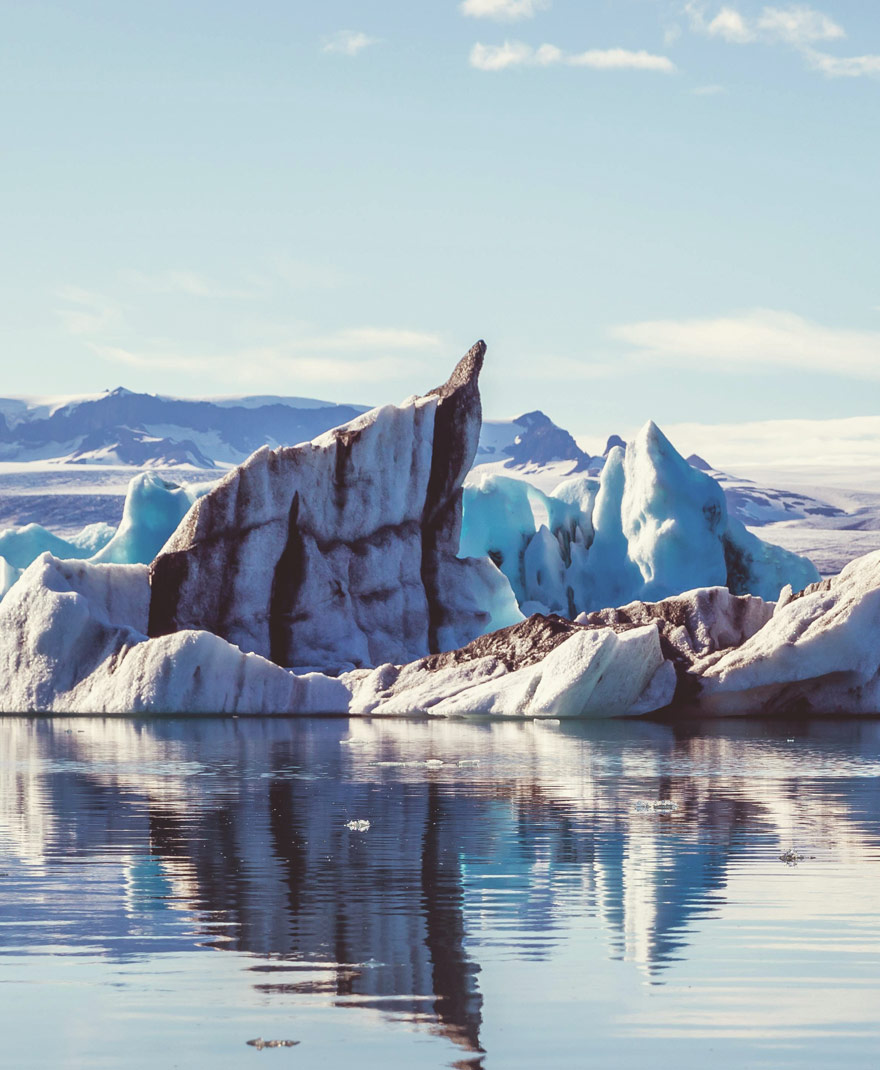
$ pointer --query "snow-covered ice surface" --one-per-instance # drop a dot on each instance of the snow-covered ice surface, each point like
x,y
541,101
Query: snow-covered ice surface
x,y
829,541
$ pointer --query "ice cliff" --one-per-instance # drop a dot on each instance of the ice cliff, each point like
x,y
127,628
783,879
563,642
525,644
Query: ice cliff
x,y
341,552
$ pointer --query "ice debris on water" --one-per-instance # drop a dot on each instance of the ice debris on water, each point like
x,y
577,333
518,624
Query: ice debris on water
x,y
259,1043
358,826
791,857
431,763
655,806
466,762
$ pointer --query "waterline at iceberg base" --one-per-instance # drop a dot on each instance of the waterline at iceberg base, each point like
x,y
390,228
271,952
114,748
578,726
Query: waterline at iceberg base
x,y
326,578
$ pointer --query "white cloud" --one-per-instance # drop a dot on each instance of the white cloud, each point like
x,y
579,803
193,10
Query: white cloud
x,y
761,337
843,66
731,26
504,10
518,54
621,59
797,25
349,42
499,57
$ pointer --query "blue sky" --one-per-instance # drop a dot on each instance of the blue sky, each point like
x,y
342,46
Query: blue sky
x,y
647,208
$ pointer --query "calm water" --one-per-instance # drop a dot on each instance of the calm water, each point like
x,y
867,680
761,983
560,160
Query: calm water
x,y
171,890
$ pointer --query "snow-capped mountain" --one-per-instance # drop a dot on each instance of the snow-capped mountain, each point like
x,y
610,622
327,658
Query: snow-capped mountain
x,y
755,505
530,447
120,427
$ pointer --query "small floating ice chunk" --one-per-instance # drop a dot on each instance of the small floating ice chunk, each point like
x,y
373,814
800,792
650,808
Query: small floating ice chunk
x,y
259,1043
791,857
433,763
550,721
359,825
655,806
466,762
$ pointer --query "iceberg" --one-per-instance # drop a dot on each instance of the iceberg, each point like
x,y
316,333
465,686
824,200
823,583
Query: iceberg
x,y
154,507
336,577
652,526
152,511
21,545
819,653
341,552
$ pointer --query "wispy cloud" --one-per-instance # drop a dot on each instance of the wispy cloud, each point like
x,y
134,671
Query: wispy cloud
x,y
182,338
763,338
86,313
192,284
503,10
349,42
257,364
517,54
848,441
797,26
843,66
708,90
375,338
729,25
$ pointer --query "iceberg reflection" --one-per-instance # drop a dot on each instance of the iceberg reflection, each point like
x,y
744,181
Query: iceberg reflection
x,y
144,837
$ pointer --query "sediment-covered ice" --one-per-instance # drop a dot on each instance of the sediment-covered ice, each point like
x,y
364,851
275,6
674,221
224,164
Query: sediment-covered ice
x,y
73,638
820,653
343,551
589,674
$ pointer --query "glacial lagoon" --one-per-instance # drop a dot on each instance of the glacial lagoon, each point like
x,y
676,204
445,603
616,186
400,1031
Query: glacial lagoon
x,y
526,894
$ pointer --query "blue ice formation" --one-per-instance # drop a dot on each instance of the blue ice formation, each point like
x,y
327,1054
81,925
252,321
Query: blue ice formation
x,y
651,527
153,509
21,546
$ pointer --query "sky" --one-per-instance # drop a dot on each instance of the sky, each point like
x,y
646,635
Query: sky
x,y
648,208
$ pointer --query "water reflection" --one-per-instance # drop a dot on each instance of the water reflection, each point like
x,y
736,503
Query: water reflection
x,y
140,838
